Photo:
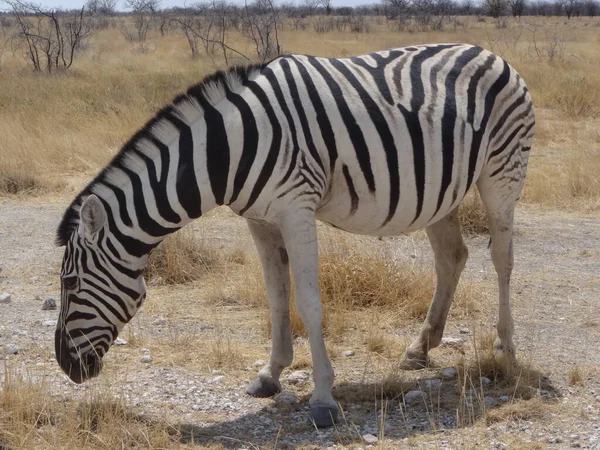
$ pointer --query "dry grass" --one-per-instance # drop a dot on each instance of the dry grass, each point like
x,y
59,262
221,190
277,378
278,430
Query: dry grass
x,y
32,418
183,257
472,215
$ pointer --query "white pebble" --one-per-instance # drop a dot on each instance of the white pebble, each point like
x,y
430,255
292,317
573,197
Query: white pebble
x,y
160,321
259,363
49,323
485,380
452,342
504,398
299,377
11,349
348,353
119,341
490,402
411,396
449,372
144,350
464,331
370,439
5,298
218,379
146,359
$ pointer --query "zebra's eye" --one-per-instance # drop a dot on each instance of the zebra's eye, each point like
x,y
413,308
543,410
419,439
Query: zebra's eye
x,y
70,283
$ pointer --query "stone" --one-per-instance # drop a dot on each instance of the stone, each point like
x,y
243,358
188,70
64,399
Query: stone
x,y
412,396
146,359
465,331
285,398
49,304
20,332
160,321
490,402
5,298
504,398
299,377
144,350
49,323
259,363
218,379
370,439
432,385
300,341
452,342
485,380
11,349
348,353
449,372
216,372
119,341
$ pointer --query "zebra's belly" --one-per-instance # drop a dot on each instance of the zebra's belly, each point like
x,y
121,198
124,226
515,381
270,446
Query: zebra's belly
x,y
372,215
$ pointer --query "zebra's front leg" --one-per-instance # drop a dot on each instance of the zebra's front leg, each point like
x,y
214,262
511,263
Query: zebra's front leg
x,y
300,235
274,260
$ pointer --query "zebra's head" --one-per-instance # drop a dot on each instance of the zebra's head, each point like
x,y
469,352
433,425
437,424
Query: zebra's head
x,y
100,293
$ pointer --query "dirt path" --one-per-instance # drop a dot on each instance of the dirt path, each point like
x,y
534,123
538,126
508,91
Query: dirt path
x,y
556,288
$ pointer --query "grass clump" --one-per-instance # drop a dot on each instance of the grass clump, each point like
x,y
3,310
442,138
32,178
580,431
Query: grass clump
x,y
183,257
472,215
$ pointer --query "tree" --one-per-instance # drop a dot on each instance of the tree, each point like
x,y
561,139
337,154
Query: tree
x,y
495,8
106,7
144,12
571,7
591,7
517,7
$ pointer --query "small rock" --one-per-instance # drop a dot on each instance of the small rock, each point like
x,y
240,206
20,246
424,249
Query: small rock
x,y
299,377
49,323
119,341
370,439
449,372
146,359
49,304
20,332
259,363
11,349
485,380
504,398
300,341
160,321
5,298
452,342
218,379
144,350
411,396
216,372
465,331
286,398
490,402
348,353
195,407
432,385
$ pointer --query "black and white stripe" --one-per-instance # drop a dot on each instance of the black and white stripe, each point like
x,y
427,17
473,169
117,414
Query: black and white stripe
x,y
379,144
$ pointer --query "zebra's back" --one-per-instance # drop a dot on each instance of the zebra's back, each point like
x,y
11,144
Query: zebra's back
x,y
401,135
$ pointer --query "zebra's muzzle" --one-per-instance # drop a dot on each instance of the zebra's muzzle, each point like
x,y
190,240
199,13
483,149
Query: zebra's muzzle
x,y
79,367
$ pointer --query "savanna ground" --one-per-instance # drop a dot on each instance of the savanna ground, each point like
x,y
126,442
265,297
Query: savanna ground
x,y
205,322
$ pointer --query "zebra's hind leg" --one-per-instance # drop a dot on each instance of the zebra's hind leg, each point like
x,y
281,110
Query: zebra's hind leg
x,y
274,261
500,213
450,255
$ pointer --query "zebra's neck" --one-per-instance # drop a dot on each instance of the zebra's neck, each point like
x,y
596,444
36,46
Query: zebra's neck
x,y
179,166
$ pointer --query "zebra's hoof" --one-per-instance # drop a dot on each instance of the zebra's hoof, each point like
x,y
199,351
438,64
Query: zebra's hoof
x,y
411,362
262,387
323,416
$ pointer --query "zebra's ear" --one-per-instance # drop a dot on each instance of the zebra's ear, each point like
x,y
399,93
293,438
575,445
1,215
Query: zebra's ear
x,y
93,215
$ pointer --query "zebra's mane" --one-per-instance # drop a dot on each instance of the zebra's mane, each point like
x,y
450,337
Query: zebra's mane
x,y
211,89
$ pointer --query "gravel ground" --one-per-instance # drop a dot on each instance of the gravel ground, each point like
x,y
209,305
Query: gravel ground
x,y
556,288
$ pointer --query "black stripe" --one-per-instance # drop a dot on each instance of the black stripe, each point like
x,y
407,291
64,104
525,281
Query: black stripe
x,y
302,117
378,72
86,270
472,89
387,139
186,184
353,129
293,161
217,150
506,142
413,122
327,132
351,190
449,120
250,147
490,99
271,160
507,113
131,245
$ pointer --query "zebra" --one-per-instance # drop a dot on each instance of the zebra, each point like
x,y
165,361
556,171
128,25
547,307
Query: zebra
x,y
380,144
